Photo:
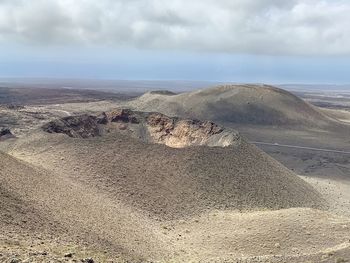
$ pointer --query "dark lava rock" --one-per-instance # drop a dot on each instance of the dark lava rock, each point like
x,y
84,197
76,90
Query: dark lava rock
x,y
83,126
5,133
123,115
87,260
14,106
102,118
68,255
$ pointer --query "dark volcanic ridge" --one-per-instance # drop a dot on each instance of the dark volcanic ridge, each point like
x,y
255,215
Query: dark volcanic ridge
x,y
83,126
148,126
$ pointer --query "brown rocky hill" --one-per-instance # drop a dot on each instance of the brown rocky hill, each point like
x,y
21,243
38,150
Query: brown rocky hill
x,y
245,104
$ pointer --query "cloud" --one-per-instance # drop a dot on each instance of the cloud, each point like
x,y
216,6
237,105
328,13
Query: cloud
x,y
270,27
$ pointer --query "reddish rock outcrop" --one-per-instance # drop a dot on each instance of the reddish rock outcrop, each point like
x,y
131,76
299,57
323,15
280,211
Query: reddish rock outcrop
x,y
180,133
149,127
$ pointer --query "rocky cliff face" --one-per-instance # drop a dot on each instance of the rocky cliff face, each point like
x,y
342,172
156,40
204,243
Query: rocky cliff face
x,y
83,126
179,133
148,127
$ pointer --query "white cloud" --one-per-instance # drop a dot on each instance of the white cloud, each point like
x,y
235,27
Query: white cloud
x,y
274,27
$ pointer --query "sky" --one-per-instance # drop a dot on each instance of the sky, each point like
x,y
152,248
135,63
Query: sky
x,y
270,41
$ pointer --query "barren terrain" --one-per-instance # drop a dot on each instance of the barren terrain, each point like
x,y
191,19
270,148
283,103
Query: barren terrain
x,y
153,190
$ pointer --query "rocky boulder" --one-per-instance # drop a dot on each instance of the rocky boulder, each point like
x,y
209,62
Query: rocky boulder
x,y
5,133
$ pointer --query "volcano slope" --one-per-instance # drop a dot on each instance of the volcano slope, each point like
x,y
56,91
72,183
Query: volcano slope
x,y
242,104
172,183
138,200
43,207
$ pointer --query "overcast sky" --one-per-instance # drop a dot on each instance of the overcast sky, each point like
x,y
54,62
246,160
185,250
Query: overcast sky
x,y
275,41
